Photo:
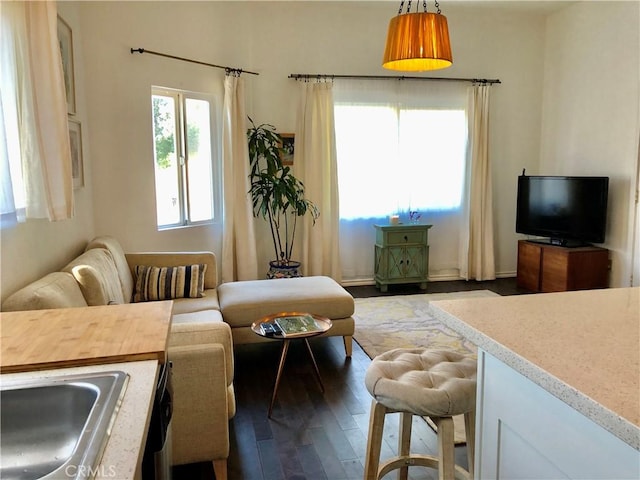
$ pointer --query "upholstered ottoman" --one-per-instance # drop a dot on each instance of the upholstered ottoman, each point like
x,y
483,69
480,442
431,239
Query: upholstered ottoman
x,y
242,303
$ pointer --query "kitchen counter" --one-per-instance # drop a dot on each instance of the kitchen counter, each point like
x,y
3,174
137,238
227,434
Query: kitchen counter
x,y
132,338
122,458
66,337
583,347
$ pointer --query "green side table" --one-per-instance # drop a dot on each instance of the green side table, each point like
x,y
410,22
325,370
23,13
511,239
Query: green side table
x,y
401,255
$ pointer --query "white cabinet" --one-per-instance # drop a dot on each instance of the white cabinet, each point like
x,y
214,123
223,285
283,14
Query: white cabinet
x,y
524,432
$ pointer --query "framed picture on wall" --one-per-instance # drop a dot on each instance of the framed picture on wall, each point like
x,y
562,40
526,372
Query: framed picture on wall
x,y
77,164
65,40
288,144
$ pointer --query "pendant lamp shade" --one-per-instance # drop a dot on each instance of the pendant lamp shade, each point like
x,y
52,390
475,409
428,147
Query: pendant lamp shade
x,y
417,42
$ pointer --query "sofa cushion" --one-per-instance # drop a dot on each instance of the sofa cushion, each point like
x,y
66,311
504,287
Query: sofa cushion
x,y
119,260
209,301
242,303
55,290
200,328
167,283
98,277
186,320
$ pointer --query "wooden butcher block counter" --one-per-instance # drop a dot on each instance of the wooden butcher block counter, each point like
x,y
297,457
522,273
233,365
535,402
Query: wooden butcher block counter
x,y
69,337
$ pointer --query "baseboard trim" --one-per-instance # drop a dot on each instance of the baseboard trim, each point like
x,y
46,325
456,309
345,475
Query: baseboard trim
x,y
360,282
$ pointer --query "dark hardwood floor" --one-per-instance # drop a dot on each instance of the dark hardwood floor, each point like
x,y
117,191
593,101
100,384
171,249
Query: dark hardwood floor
x,y
311,435
501,286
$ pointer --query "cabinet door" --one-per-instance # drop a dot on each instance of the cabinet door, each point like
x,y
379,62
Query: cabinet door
x,y
529,266
574,269
396,262
415,262
406,262
524,432
380,265
555,269
588,269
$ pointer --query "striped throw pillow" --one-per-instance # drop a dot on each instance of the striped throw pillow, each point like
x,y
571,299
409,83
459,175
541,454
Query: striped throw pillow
x,y
167,283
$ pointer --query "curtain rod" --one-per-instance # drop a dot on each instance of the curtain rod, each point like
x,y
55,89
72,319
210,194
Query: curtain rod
x,y
227,69
307,76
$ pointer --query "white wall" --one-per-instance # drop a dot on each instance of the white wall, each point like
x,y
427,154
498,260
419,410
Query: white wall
x,y
591,110
32,249
276,39
120,94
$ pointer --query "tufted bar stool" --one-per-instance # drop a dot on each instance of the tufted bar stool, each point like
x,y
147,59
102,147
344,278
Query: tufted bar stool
x,y
434,383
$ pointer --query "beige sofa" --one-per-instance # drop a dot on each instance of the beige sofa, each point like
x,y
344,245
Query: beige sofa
x,y
200,343
203,330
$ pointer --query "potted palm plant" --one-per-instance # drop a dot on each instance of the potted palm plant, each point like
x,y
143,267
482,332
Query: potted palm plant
x,y
277,196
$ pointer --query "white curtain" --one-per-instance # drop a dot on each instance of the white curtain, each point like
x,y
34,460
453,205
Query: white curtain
x,y
401,146
35,155
315,165
477,255
239,258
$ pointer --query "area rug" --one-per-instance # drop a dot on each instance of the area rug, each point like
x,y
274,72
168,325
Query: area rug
x,y
405,321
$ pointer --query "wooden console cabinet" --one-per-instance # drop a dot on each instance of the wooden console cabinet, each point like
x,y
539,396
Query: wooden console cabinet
x,y
401,255
552,268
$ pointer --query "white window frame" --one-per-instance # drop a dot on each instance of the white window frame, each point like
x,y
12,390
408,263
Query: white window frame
x,y
180,97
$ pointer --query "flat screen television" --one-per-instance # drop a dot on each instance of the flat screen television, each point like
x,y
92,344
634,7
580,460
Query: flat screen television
x,y
569,211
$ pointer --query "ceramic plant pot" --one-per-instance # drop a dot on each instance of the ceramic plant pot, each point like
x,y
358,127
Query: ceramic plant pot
x,y
279,270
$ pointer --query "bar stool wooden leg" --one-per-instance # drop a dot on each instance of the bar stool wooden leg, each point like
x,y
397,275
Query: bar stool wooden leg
x,y
446,456
390,378
404,442
470,432
374,442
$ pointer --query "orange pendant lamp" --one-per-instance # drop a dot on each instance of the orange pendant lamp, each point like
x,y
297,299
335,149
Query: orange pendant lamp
x,y
417,41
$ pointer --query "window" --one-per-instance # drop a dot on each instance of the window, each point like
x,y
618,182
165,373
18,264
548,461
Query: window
x,y
407,142
401,146
408,158
184,160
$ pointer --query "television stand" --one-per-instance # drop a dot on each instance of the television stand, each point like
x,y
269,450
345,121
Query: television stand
x,y
561,242
543,267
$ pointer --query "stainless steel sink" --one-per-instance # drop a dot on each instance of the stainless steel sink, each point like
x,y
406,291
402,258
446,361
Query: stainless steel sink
x,y
58,427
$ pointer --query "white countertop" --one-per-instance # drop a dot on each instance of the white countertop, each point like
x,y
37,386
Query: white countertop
x,y
122,457
583,347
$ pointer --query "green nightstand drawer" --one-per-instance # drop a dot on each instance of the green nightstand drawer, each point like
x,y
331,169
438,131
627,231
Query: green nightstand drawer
x,y
407,236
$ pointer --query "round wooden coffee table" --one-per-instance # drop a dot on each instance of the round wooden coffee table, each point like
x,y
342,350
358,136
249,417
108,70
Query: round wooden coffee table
x,y
322,324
